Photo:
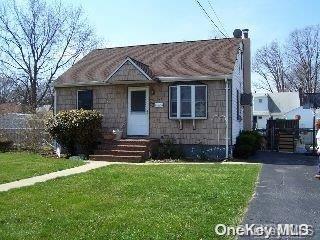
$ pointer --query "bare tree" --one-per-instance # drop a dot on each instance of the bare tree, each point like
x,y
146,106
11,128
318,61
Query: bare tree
x,y
303,49
293,67
38,41
7,89
269,64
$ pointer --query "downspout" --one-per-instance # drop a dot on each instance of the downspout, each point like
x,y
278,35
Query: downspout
x,y
56,146
227,118
54,102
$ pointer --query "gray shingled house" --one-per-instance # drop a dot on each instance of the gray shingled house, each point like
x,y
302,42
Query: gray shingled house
x,y
171,90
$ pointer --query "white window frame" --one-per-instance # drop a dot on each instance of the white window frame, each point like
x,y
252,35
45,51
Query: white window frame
x,y
193,105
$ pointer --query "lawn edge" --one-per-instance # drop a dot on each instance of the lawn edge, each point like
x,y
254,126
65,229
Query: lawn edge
x,y
82,163
257,181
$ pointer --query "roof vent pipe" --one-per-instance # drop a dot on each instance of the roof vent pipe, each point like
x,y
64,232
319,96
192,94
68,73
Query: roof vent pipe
x,y
245,33
237,33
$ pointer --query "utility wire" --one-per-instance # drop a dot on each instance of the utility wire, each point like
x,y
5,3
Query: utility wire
x,y
208,16
217,17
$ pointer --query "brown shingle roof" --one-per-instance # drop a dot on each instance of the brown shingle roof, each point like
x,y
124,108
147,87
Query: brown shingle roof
x,y
143,66
213,57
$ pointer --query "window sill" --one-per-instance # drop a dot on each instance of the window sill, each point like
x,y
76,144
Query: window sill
x,y
188,118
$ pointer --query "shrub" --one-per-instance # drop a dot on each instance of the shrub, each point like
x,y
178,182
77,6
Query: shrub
x,y
243,151
168,150
76,131
5,145
35,135
202,153
247,143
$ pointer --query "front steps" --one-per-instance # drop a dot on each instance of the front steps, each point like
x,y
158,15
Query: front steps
x,y
124,150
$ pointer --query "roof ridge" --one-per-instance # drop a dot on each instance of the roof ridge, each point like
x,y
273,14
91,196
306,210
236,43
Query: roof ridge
x,y
166,43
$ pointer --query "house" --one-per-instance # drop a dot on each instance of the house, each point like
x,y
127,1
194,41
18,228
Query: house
x,y
173,90
11,107
275,105
306,116
44,109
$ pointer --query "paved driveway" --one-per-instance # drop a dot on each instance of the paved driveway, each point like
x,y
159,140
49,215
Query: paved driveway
x,y
287,191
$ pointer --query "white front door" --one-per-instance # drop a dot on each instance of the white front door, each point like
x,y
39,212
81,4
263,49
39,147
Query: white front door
x,y
138,111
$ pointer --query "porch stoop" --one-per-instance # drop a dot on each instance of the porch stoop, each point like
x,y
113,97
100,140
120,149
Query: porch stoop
x,y
125,150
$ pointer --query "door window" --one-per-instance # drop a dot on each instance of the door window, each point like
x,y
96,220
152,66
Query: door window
x,y
138,101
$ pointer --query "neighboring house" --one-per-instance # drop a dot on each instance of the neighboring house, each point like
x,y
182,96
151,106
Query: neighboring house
x,y
306,116
177,90
275,105
44,109
11,108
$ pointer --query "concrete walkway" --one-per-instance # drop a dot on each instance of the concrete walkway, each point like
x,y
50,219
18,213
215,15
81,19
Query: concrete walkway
x,y
43,178
287,192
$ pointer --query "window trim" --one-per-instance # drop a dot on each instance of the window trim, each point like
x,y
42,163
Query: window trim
x,y
193,100
83,90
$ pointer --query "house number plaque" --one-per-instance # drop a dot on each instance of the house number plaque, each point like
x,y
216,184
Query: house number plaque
x,y
158,105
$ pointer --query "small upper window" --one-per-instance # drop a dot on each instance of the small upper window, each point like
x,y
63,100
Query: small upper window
x,y
259,117
260,100
85,99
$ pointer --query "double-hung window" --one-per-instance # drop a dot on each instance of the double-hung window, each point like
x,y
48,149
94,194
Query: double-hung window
x,y
188,102
85,99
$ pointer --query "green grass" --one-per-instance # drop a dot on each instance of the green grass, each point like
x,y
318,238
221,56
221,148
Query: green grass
x,y
130,202
19,165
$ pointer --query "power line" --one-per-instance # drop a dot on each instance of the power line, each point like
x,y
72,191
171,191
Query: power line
x,y
217,17
210,18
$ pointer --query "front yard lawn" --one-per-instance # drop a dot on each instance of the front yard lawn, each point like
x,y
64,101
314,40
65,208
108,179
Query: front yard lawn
x,y
19,165
131,202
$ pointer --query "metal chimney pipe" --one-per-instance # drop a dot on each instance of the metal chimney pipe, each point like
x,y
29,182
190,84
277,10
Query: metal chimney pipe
x,y
245,33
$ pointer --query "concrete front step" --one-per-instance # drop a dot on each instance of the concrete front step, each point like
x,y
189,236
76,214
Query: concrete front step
x,y
114,158
123,147
141,142
120,152
124,150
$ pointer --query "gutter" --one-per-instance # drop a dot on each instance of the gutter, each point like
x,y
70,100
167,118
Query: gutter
x,y
54,103
193,78
160,78
80,84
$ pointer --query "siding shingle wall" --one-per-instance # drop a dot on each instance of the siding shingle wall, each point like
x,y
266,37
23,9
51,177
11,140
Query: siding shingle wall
x,y
111,101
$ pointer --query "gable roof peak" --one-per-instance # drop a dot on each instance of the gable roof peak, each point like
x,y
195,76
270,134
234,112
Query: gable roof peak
x,y
140,67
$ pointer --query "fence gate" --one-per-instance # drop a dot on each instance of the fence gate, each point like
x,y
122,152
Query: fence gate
x,y
282,134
